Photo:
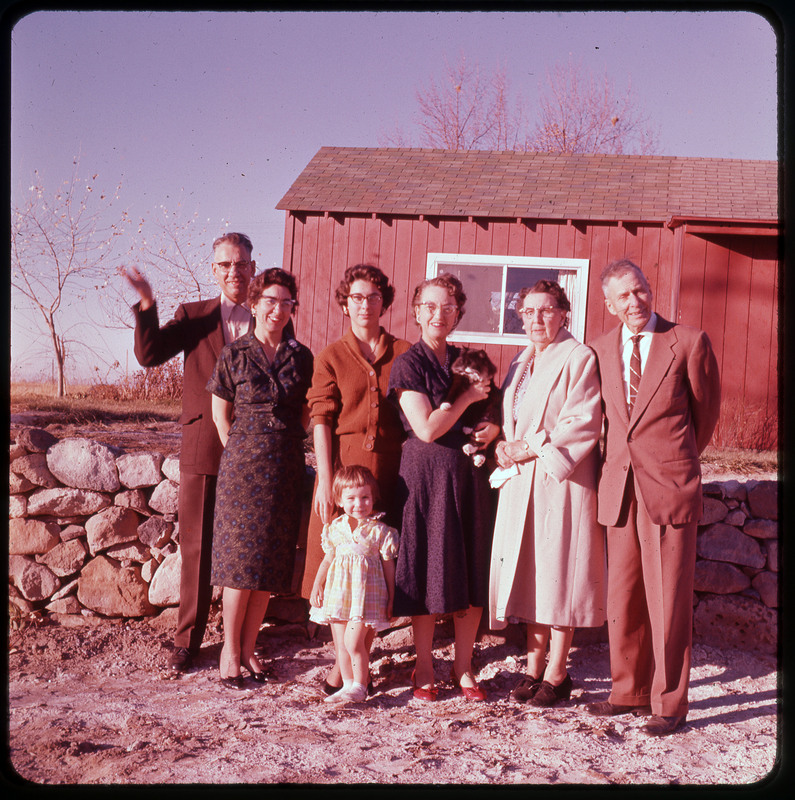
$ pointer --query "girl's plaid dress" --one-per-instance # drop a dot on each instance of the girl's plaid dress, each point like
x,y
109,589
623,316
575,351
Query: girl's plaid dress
x,y
355,588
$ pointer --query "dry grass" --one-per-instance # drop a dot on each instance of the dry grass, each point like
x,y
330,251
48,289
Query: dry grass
x,y
741,461
87,406
82,405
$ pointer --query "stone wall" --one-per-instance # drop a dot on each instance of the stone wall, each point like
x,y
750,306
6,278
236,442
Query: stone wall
x,y
94,530
736,585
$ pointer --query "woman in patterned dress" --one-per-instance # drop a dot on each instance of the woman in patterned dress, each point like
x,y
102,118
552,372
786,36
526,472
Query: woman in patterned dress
x,y
352,421
447,522
259,407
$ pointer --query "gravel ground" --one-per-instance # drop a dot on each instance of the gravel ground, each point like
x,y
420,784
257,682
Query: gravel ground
x,y
90,703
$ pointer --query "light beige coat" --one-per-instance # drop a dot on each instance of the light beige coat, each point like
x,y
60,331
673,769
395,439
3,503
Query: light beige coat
x,y
548,555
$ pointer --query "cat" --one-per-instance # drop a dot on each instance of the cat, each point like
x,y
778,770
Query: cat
x,y
470,366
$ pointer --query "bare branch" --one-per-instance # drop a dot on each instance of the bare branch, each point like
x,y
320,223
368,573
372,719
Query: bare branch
x,y
58,248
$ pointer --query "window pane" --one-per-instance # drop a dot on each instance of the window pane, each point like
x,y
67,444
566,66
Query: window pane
x,y
483,288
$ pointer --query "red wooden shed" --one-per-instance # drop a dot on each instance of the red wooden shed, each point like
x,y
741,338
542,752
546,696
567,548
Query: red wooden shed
x,y
705,231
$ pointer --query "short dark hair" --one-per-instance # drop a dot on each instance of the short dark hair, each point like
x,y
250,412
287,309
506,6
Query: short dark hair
x,y
615,269
353,476
547,287
446,281
365,272
240,239
270,277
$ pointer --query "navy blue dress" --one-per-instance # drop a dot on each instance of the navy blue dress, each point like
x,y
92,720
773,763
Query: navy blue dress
x,y
447,515
261,474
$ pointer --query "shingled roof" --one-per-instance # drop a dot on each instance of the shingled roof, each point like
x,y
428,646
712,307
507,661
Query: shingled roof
x,y
485,183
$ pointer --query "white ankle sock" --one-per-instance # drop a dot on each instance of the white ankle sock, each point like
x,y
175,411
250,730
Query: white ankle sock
x,y
357,692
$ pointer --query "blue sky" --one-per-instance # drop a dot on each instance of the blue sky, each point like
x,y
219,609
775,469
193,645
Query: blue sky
x,y
220,112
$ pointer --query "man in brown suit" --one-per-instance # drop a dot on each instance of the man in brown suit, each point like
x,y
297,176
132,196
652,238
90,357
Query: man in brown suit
x,y
199,330
660,399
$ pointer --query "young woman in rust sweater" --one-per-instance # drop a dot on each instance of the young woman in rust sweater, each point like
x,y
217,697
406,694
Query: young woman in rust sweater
x,y
353,423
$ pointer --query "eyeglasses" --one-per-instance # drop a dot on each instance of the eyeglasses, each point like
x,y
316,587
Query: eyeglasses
x,y
226,266
272,302
372,299
448,309
547,312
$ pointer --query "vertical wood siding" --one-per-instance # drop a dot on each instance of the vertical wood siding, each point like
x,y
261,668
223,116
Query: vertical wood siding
x,y
727,284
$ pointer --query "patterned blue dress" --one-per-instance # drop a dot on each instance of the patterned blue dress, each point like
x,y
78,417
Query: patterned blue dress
x,y
447,506
261,474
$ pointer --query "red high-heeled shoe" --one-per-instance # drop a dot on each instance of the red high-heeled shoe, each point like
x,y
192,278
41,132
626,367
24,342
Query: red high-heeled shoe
x,y
427,693
470,692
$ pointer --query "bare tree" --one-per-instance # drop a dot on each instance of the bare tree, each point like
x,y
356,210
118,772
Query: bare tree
x,y
466,111
582,114
60,251
172,251
577,113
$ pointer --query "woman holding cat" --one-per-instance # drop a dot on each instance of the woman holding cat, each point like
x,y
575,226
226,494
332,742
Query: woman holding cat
x,y
446,525
548,556
352,421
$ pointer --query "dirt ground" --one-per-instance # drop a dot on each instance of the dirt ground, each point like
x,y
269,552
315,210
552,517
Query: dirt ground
x,y
90,703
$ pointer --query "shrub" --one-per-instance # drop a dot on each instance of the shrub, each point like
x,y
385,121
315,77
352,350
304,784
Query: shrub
x,y
152,383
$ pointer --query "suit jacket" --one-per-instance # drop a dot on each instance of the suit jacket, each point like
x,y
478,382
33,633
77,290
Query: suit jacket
x,y
196,331
672,421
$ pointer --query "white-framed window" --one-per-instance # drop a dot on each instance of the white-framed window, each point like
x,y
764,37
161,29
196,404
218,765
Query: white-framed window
x,y
492,284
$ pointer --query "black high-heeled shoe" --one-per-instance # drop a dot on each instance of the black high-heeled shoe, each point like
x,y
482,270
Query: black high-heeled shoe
x,y
547,694
232,682
265,675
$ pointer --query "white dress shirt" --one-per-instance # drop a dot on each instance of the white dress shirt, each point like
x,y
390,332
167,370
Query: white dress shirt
x,y
626,349
236,319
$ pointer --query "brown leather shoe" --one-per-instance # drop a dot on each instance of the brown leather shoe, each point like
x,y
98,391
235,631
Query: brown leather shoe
x,y
604,708
180,661
525,689
663,726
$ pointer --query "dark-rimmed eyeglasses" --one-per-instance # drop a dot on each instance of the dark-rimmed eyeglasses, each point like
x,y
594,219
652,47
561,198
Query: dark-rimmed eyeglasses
x,y
372,299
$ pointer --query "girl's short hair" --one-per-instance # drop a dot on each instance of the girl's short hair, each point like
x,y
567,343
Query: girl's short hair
x,y
365,272
271,277
446,281
353,477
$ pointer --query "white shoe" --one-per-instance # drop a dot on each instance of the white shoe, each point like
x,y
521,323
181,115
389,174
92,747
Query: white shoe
x,y
349,694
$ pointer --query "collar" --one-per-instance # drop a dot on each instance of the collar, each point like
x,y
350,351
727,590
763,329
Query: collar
x,y
626,333
228,308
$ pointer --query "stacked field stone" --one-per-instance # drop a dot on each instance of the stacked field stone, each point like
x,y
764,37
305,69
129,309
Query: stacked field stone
x,y
94,530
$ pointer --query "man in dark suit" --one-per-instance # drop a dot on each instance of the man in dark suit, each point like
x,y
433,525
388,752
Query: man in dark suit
x,y
199,330
661,400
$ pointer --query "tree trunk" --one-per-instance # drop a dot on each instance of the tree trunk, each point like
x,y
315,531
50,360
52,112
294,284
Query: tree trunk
x,y
60,356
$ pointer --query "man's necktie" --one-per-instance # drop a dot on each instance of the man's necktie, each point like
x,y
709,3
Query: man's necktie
x,y
634,371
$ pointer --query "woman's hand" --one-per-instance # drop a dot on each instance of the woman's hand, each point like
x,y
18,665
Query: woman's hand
x,y
518,451
222,417
477,391
509,453
484,434
324,504
503,459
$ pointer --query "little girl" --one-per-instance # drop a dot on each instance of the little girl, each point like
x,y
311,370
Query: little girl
x,y
355,582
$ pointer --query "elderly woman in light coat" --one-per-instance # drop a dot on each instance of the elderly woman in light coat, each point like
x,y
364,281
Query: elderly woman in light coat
x,y
548,553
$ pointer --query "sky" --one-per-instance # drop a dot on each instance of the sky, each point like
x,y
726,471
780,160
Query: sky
x,y
216,114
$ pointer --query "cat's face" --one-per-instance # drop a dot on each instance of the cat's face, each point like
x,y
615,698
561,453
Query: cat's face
x,y
475,365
